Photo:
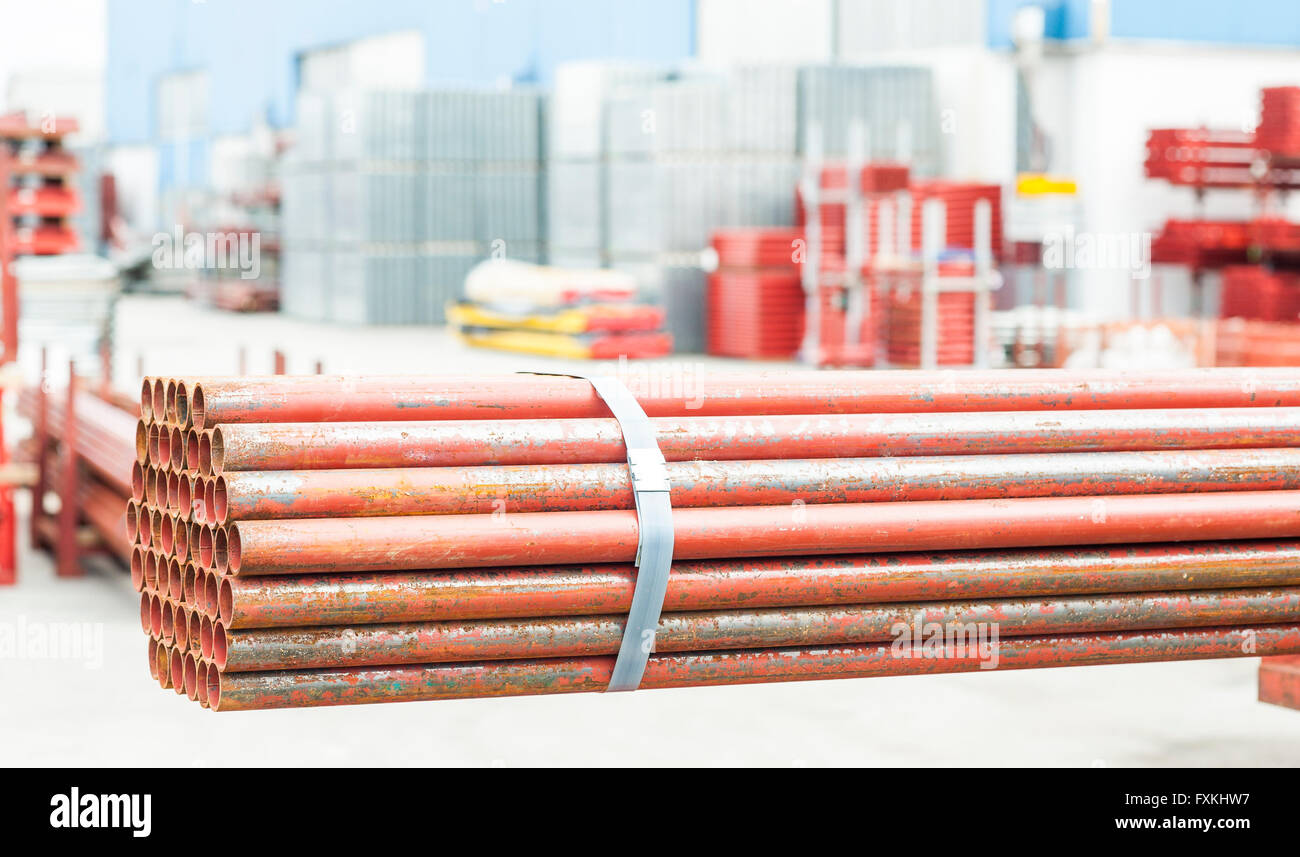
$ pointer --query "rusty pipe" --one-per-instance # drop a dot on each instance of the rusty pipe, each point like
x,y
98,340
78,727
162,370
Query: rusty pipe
x,y
137,482
258,495
465,443
319,398
320,545
512,639
303,688
146,400
352,599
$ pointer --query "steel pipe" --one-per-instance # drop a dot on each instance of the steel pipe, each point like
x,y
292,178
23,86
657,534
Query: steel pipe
x,y
464,443
257,495
233,691
512,639
357,599
551,538
318,398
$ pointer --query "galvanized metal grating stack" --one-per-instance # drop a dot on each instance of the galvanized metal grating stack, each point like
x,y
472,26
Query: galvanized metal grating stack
x,y
660,159
390,197
398,538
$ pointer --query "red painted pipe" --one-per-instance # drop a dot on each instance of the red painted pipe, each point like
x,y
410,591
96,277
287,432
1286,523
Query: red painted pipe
x,y
358,599
513,639
317,398
257,495
315,545
313,446
103,435
103,509
303,688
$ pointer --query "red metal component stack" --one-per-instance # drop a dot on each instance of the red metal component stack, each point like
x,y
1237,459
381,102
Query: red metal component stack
x,y
755,297
1279,121
1276,234
848,319
39,205
1200,157
1202,243
955,319
849,313
1242,342
878,178
397,539
1256,293
959,199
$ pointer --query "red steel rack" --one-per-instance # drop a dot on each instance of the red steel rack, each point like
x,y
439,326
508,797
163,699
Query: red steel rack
x,y
36,201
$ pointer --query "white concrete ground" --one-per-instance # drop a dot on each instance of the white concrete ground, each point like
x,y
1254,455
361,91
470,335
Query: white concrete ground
x,y
102,707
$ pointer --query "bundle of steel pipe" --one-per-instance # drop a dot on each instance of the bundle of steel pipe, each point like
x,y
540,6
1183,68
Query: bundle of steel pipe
x,y
318,541
87,462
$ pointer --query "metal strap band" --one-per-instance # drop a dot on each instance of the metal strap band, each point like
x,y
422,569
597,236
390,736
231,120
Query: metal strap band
x,y
654,512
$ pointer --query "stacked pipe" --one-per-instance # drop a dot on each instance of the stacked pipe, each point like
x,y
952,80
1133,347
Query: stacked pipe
x,y
320,541
102,445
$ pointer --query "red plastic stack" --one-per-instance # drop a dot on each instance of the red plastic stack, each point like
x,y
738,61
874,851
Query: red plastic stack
x,y
755,297
959,200
1256,293
955,324
1279,121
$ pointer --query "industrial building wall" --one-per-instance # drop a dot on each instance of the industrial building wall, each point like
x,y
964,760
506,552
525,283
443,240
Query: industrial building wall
x,y
250,48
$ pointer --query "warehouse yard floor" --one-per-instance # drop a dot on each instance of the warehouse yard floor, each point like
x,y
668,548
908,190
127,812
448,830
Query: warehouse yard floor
x,y
99,706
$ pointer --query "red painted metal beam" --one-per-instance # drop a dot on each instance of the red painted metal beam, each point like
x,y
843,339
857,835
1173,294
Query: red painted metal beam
x,y
1279,681
9,304
67,552
8,520
41,439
